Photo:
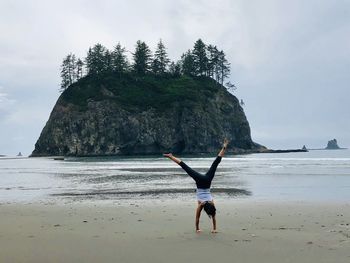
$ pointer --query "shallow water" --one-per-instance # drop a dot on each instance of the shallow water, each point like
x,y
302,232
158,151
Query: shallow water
x,y
316,175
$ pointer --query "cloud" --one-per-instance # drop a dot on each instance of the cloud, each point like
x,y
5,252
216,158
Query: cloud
x,y
289,59
24,116
5,101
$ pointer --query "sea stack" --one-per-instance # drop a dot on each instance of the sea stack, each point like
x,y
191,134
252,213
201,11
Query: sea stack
x,y
131,115
332,145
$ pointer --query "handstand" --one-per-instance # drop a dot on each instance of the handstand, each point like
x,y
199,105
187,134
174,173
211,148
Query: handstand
x,y
203,182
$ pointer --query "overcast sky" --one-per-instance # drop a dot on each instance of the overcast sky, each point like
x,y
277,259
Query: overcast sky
x,y
290,59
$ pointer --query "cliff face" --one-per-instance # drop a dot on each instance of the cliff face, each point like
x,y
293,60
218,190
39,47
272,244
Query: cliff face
x,y
114,115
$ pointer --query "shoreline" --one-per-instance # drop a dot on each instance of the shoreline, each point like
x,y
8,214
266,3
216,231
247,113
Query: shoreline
x,y
139,231
200,154
237,152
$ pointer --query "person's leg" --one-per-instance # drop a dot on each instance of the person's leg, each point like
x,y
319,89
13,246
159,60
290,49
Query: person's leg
x,y
198,215
212,169
195,175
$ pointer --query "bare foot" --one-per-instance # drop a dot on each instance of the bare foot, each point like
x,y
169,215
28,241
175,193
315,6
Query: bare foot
x,y
226,141
167,155
198,231
214,231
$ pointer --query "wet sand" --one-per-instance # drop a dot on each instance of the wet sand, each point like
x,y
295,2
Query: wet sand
x,y
249,231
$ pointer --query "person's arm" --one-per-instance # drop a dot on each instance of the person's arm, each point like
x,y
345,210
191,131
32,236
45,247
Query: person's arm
x,y
214,225
172,157
198,215
222,152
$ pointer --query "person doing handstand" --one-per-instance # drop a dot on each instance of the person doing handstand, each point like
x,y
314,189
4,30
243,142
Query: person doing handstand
x,y
203,182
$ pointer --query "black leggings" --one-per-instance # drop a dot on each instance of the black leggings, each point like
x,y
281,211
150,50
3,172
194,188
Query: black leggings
x,y
202,180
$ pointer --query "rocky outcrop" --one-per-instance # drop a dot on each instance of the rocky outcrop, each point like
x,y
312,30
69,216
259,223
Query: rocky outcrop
x,y
283,151
103,125
332,145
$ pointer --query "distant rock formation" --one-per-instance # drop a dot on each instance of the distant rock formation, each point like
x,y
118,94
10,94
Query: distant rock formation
x,y
19,154
283,151
332,145
304,148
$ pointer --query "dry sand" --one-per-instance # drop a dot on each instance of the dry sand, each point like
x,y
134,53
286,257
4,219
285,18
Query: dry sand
x,y
249,231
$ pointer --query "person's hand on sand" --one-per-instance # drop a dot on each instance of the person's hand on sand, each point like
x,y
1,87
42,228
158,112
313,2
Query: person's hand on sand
x,y
169,155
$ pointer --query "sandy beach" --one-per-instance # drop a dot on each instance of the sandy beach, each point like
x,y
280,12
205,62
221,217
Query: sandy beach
x,y
249,231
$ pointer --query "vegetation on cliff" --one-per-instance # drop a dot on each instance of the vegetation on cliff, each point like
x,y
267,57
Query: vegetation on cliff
x,y
202,60
134,92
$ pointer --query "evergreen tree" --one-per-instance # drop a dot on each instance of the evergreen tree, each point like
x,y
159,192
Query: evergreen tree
x,y
68,74
108,61
72,68
155,66
213,58
79,68
97,60
203,60
223,68
200,57
161,60
89,62
188,64
175,69
142,58
65,77
119,59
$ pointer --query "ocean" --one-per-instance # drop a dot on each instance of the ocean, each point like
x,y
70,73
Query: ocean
x,y
319,175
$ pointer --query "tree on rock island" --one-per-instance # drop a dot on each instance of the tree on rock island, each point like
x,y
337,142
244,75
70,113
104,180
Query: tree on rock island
x,y
200,57
120,62
161,61
202,61
142,58
71,70
188,64
97,60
